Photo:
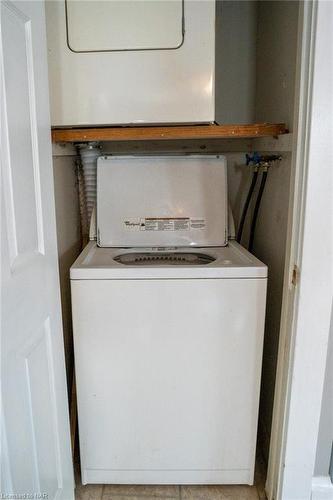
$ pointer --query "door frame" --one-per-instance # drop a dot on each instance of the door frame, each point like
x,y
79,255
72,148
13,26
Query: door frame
x,y
307,284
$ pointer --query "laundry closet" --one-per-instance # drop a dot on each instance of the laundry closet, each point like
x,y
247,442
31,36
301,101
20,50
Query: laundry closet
x,y
239,67
214,84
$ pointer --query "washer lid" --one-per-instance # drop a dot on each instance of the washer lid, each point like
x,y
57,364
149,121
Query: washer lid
x,y
232,261
162,201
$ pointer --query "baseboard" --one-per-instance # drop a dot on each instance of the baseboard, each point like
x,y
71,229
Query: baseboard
x,y
322,488
109,476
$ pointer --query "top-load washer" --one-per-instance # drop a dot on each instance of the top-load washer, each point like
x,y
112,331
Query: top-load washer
x,y
168,320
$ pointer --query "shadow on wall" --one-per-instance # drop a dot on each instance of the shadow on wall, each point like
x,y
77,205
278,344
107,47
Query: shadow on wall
x,y
69,243
269,246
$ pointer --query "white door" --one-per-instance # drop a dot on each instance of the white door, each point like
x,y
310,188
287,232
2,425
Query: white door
x,y
35,426
308,284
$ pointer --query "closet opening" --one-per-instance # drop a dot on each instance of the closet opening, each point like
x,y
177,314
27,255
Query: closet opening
x,y
259,168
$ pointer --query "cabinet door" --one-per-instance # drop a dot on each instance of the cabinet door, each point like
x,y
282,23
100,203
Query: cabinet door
x,y
35,424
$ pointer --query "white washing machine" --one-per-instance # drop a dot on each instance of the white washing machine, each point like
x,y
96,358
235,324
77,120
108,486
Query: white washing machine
x,y
168,323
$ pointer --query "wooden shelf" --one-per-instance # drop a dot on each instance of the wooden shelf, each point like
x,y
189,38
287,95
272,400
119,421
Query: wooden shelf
x,y
177,132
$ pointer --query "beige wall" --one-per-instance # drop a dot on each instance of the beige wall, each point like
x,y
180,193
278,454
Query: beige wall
x,y
275,92
235,64
69,241
275,81
276,60
269,246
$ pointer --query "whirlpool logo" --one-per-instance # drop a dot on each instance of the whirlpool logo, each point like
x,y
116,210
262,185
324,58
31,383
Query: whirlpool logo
x,y
134,224
130,223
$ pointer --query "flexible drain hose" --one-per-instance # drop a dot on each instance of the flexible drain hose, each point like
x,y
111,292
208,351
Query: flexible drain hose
x,y
88,155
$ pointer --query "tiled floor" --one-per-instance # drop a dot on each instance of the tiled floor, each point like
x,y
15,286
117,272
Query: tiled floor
x,y
119,492
126,492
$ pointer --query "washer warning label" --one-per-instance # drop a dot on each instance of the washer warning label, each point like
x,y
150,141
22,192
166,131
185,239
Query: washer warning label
x,y
164,223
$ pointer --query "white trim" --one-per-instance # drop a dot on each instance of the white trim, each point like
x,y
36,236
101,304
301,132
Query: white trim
x,y
322,488
302,92
6,474
306,311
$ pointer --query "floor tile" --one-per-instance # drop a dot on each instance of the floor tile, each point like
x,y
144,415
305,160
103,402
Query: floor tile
x,y
111,496
219,493
88,492
147,491
261,493
260,478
